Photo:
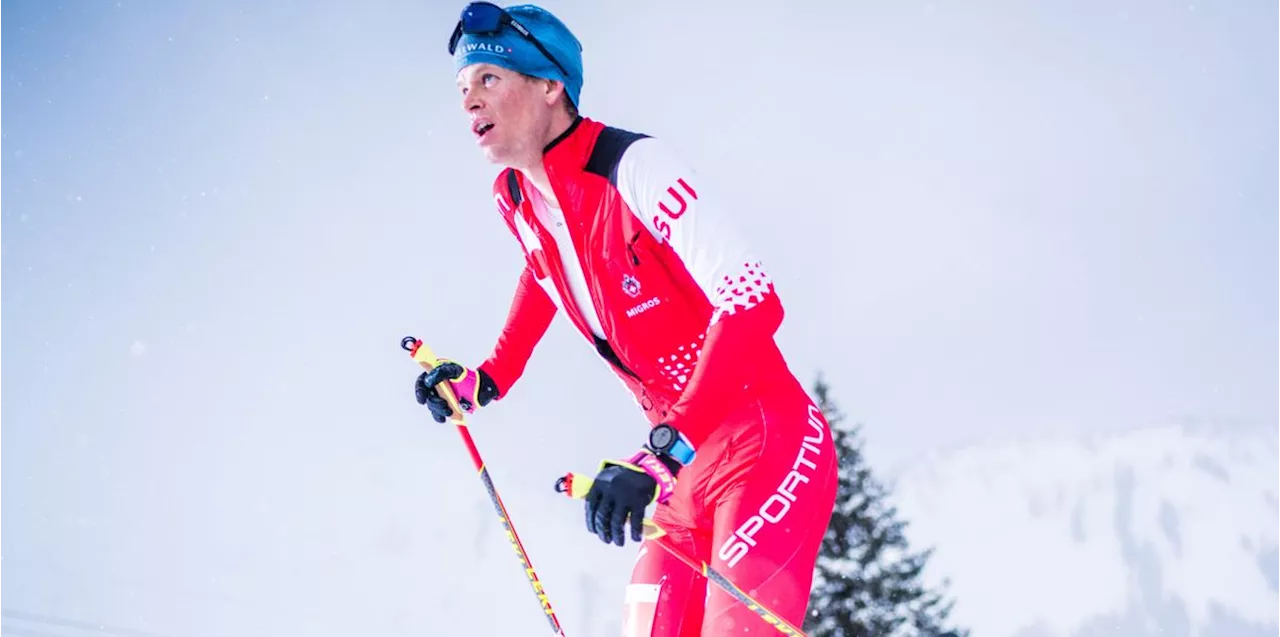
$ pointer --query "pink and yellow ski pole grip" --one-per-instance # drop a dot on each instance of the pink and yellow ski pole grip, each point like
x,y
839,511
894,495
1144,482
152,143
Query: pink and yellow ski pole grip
x,y
577,486
423,355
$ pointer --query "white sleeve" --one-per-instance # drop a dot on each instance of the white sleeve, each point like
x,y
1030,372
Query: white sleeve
x,y
664,193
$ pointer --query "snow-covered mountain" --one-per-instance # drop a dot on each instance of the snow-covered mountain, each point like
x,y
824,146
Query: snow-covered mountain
x,y
1168,531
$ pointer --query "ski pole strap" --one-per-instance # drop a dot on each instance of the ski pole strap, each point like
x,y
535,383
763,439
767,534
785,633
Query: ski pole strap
x,y
649,463
576,486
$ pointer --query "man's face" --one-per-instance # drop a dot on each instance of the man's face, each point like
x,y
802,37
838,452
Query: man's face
x,y
509,113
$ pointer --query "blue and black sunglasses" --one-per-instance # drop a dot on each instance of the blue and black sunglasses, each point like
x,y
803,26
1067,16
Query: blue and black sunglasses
x,y
484,18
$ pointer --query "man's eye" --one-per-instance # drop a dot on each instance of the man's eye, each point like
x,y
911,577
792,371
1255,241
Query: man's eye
x,y
489,78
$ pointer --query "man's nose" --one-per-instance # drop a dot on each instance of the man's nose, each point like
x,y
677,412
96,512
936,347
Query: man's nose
x,y
471,101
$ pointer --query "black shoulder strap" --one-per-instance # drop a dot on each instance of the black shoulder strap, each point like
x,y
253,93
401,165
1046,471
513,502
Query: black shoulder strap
x,y
513,187
608,151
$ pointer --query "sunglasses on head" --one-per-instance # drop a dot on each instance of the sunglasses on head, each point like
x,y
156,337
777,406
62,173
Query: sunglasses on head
x,y
483,18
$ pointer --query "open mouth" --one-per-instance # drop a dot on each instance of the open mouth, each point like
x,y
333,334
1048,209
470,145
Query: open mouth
x,y
481,127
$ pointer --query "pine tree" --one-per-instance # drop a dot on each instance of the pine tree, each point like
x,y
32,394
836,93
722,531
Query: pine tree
x,y
868,580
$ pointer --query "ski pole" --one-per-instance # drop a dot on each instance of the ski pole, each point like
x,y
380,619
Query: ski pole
x,y
427,359
577,486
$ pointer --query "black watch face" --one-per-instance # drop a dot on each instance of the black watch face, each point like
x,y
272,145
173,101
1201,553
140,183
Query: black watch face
x,y
662,437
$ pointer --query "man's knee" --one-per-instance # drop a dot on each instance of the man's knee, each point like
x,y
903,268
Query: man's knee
x,y
640,607
665,598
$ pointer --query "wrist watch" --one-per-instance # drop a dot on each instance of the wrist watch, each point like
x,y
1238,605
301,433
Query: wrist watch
x,y
665,440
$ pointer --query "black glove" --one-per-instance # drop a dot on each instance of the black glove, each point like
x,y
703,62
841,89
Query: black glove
x,y
621,491
471,387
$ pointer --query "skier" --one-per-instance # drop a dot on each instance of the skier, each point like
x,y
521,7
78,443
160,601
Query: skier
x,y
620,236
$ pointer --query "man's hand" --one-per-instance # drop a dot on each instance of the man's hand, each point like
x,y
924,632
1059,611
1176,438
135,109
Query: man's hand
x,y
471,387
622,490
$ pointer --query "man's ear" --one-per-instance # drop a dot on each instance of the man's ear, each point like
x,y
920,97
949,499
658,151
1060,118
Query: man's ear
x,y
552,92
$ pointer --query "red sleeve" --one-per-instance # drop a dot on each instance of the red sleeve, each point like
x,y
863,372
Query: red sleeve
x,y
729,358
527,321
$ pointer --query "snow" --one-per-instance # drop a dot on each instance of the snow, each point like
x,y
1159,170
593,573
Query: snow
x,y
1168,524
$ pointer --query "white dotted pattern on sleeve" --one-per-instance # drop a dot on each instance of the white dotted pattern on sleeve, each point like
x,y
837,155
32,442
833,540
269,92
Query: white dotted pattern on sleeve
x,y
741,291
678,367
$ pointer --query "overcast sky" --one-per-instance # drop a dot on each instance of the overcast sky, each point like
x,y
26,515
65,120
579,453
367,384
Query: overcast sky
x,y
986,220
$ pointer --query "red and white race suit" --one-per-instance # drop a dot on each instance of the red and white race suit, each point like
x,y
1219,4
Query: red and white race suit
x,y
648,267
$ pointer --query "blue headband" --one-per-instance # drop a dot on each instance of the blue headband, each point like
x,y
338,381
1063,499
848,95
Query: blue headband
x,y
511,50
